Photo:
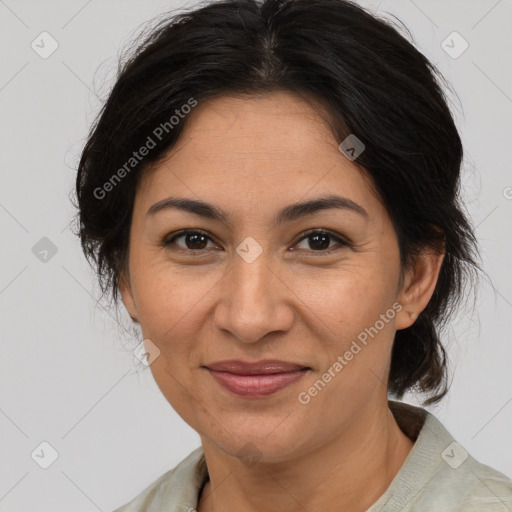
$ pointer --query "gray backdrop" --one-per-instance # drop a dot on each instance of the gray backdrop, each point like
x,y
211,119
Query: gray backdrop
x,y
68,375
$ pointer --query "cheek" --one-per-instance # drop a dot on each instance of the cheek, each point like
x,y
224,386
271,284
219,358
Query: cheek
x,y
356,305
361,330
169,300
349,299
171,374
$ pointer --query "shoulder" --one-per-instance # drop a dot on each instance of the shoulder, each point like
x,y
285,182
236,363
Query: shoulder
x,y
177,485
478,488
468,484
439,474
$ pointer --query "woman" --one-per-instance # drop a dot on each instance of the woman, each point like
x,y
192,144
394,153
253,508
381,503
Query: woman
x,y
272,190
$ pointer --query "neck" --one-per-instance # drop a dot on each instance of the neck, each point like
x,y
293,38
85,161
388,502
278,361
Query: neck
x,y
350,472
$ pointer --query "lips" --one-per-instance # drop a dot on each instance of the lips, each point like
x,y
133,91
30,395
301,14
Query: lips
x,y
267,367
258,379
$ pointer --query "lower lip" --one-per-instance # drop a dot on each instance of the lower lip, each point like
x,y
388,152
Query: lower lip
x,y
256,385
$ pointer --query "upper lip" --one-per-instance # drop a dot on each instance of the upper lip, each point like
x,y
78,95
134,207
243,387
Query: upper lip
x,y
264,367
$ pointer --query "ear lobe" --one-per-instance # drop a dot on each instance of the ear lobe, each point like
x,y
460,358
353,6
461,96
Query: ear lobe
x,y
419,285
127,296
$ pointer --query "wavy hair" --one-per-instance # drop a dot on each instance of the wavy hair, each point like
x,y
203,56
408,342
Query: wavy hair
x,y
373,83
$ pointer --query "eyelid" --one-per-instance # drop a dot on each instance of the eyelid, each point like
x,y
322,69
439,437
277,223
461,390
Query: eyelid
x,y
342,241
325,231
169,239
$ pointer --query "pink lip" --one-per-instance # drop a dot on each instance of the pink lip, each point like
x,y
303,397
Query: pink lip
x,y
264,367
256,379
256,385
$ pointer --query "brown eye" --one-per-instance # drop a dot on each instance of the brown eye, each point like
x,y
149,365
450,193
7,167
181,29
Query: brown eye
x,y
193,240
319,241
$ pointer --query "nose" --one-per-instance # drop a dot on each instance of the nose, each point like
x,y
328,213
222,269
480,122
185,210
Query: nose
x,y
255,301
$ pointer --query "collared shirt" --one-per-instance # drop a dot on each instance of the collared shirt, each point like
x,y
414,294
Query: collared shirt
x,y
438,475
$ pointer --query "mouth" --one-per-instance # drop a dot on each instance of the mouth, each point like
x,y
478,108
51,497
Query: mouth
x,y
258,379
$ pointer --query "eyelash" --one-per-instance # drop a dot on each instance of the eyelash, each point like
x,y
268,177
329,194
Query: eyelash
x,y
167,242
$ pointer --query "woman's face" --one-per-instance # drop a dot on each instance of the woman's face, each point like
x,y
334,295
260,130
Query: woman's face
x,y
256,287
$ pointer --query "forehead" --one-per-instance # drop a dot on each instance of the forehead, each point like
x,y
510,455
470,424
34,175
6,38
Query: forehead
x,y
276,123
275,147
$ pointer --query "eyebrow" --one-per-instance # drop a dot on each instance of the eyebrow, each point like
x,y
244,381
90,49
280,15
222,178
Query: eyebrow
x,y
287,214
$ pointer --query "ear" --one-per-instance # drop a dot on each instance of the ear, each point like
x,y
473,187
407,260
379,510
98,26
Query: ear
x,y
419,285
127,295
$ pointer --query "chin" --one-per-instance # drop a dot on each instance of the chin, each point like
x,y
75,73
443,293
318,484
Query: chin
x,y
265,442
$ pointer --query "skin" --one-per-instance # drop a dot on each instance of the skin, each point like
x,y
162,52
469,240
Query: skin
x,y
250,157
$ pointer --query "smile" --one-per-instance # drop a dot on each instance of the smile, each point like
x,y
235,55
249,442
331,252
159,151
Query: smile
x,y
256,385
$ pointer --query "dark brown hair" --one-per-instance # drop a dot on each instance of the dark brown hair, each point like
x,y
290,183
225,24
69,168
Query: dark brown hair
x,y
374,83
